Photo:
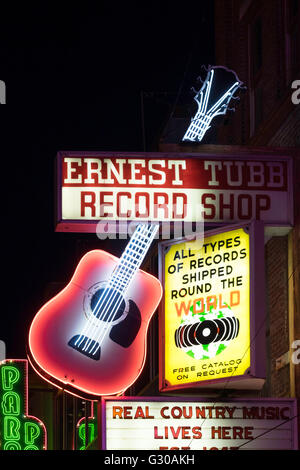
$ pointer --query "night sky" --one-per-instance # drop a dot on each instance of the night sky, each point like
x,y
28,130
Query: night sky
x,y
74,79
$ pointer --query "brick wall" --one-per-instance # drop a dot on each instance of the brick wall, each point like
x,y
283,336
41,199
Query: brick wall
x,y
278,319
234,50
288,135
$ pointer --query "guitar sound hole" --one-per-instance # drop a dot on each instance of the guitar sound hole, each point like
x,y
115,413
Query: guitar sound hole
x,y
107,304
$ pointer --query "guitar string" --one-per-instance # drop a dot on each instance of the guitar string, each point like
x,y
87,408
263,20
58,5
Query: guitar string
x,y
136,239
151,234
189,132
113,313
88,325
193,128
88,329
235,85
227,95
113,295
118,285
101,300
208,91
100,337
204,108
194,131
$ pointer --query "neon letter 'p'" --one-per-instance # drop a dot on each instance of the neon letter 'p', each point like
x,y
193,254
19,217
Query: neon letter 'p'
x,y
10,375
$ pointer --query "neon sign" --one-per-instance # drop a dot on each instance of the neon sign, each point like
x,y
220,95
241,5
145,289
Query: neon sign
x,y
216,188
18,430
104,350
209,104
92,430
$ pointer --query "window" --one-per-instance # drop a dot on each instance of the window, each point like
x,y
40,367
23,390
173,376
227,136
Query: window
x,y
256,39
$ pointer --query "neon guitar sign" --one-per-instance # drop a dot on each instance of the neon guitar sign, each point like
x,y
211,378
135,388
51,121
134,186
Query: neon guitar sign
x,y
90,338
210,105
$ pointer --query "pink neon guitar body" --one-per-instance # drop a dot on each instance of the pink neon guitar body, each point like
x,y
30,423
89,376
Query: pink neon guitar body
x,y
120,357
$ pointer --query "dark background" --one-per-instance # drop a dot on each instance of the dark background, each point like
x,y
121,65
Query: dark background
x,y
74,78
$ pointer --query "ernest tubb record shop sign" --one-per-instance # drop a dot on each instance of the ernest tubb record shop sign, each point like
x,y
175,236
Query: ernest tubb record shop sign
x,y
218,188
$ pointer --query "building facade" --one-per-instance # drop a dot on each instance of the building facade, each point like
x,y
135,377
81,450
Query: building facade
x,y
260,42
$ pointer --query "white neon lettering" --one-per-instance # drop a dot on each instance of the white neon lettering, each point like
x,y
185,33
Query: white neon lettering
x,y
177,164
136,171
72,169
239,180
276,175
119,175
210,165
256,174
90,171
162,174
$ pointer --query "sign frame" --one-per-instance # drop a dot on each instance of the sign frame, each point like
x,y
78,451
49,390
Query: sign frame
x,y
209,153
171,399
25,416
255,377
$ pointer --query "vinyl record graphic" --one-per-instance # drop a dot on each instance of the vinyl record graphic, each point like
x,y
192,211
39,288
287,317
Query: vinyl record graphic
x,y
205,335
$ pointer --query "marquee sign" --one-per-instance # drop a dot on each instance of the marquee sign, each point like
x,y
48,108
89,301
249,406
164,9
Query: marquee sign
x,y
211,315
18,430
164,423
215,188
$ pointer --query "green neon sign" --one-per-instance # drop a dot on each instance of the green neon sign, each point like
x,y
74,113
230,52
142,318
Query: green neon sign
x,y
81,430
18,430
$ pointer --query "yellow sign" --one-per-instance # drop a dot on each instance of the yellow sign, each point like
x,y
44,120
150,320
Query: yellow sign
x,y
207,309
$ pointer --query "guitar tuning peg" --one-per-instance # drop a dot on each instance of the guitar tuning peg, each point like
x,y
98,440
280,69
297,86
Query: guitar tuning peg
x,y
231,109
204,68
236,98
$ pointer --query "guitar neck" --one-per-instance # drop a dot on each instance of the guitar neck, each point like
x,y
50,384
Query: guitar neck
x,y
133,256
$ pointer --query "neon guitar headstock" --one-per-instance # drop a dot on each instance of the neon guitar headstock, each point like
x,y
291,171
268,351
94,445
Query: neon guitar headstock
x,y
213,99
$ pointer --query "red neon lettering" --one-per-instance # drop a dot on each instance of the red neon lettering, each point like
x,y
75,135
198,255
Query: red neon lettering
x,y
212,207
87,203
137,201
119,196
229,206
183,214
104,203
163,206
262,203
